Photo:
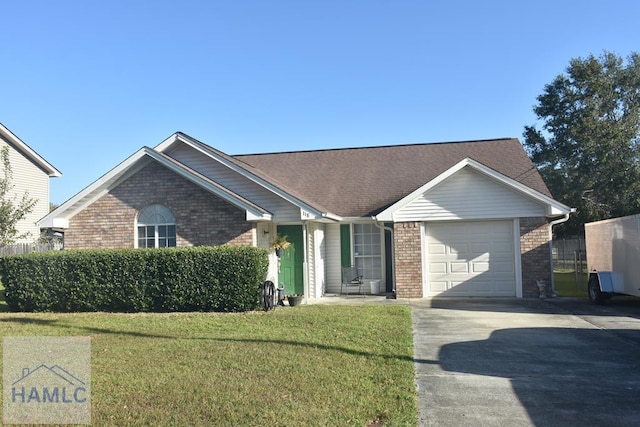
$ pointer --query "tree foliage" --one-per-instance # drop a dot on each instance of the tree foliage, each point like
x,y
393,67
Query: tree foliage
x,y
12,209
588,148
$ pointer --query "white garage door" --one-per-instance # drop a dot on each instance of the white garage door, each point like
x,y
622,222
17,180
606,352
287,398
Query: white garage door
x,y
470,258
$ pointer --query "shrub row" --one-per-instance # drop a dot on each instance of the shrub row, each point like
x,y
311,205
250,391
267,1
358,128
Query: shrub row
x,y
224,278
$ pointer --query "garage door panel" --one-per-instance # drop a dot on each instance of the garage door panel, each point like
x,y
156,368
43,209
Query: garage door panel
x,y
439,286
503,267
460,249
436,249
480,267
504,286
502,247
477,287
471,258
480,248
437,267
459,267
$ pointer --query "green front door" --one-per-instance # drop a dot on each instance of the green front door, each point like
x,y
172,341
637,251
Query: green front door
x,y
291,262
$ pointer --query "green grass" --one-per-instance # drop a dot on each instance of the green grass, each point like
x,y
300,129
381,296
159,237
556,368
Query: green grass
x,y
311,365
565,284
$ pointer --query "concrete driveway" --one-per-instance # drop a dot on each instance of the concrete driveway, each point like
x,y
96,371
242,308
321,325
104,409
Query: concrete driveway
x,y
508,362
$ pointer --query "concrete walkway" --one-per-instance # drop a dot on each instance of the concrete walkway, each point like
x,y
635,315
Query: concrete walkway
x,y
522,362
358,299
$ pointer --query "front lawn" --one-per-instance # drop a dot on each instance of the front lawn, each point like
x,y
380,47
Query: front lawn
x,y
311,365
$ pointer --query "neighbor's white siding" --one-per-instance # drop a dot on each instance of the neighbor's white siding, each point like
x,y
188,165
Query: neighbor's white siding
x,y
333,263
28,177
282,210
469,195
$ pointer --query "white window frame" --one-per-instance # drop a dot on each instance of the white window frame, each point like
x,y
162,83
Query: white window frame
x,y
156,216
372,238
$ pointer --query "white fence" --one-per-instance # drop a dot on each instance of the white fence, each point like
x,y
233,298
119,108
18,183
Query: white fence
x,y
26,248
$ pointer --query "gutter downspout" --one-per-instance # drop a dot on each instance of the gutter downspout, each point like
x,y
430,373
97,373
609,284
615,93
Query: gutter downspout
x,y
393,253
552,223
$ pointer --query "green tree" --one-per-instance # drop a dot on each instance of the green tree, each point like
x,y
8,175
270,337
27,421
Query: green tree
x,y
587,150
12,210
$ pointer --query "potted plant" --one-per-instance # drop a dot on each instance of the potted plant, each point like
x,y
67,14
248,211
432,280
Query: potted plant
x,y
279,244
294,299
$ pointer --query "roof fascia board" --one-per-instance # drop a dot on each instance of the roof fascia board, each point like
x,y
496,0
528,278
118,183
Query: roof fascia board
x,y
553,207
211,153
100,187
29,152
93,191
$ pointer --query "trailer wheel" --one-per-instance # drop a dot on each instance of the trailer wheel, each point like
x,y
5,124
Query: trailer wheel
x,y
595,294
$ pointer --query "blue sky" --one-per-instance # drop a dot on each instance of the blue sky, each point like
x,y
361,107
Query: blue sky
x,y
87,83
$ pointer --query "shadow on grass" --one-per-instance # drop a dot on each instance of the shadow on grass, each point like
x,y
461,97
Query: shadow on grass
x,y
327,347
56,323
94,330
4,307
30,321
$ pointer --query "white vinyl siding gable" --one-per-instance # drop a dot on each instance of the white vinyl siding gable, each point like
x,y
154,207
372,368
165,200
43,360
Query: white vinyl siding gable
x,y
27,176
281,209
469,195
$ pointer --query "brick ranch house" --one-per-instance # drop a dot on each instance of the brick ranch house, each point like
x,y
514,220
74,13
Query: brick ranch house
x,y
443,219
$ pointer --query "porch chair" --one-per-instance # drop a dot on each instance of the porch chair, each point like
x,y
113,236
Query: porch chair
x,y
351,279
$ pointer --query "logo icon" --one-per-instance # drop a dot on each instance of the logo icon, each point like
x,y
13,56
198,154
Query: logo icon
x,y
62,386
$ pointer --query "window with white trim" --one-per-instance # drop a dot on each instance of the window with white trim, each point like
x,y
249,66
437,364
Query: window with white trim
x,y
156,227
367,250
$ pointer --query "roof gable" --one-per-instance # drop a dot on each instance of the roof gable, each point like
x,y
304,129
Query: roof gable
x,y
471,190
28,152
60,216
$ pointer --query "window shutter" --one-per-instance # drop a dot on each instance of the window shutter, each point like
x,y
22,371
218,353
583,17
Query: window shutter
x,y
345,245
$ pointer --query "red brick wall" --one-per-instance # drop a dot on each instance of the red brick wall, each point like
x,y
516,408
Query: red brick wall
x,y
408,257
201,218
536,255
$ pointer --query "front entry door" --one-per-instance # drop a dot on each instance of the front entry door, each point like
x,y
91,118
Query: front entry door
x,y
292,260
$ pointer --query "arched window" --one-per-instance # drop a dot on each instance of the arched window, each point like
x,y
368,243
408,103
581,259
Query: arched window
x,y
156,227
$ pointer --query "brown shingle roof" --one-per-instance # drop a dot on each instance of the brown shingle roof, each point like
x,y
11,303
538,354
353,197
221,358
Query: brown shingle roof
x,y
359,182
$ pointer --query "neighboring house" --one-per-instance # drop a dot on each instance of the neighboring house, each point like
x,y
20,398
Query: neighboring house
x,y
446,219
31,173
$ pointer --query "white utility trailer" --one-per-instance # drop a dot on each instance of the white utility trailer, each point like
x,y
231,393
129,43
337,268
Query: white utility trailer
x,y
613,257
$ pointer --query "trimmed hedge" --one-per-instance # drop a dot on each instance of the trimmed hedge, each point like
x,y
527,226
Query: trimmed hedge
x,y
223,278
